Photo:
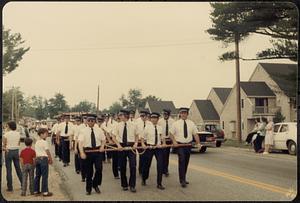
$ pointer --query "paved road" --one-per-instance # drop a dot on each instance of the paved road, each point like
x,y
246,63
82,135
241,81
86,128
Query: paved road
x,y
225,173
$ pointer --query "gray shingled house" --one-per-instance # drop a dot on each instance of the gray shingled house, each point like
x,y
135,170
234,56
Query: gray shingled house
x,y
218,97
257,100
158,106
203,112
281,78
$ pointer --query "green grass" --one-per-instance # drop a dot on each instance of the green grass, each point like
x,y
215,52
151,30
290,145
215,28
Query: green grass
x,y
235,143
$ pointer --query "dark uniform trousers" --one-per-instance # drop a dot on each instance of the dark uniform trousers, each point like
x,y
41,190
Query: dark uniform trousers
x,y
93,159
148,155
76,158
60,148
65,150
166,156
132,166
115,163
55,145
141,159
183,161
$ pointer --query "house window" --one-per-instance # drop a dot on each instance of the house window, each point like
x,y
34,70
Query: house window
x,y
242,103
261,101
223,125
242,125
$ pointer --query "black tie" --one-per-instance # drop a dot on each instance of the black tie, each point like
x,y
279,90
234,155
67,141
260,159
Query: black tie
x,y
93,138
185,131
125,134
167,128
144,124
106,124
155,135
66,129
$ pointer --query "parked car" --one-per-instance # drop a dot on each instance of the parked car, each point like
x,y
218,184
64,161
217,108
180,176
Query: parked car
x,y
217,132
285,137
207,139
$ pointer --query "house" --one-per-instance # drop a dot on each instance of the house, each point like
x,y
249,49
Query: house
x,y
218,97
203,112
257,100
158,106
281,78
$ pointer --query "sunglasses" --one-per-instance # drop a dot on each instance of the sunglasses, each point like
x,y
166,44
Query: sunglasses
x,y
90,120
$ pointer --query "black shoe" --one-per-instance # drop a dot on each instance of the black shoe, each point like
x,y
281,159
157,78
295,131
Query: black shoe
x,y
167,174
97,189
82,180
183,184
132,189
186,182
59,160
88,193
117,177
23,194
160,187
48,194
9,190
65,165
143,182
125,188
77,172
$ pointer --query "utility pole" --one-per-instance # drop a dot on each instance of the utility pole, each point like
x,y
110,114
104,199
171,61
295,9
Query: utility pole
x,y
238,89
12,104
98,102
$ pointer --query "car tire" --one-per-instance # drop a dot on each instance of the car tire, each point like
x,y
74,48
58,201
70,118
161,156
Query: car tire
x,y
203,149
218,144
292,147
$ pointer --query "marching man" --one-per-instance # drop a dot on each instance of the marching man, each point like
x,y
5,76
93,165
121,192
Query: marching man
x,y
92,138
166,122
65,133
125,134
182,132
153,136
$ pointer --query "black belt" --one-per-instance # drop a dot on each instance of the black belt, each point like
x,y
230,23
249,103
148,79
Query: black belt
x,y
91,148
128,144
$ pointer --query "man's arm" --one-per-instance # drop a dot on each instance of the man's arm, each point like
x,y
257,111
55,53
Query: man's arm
x,y
49,156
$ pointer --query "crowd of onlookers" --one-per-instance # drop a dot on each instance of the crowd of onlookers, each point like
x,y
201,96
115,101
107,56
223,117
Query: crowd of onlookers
x,y
261,137
27,161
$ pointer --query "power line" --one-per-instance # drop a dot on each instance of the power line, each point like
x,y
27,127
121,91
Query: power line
x,y
126,47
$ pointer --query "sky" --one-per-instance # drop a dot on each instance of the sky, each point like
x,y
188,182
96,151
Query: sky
x,y
161,48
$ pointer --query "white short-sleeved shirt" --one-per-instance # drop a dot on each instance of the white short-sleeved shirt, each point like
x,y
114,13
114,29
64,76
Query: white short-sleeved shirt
x,y
149,134
107,127
54,128
163,123
61,129
141,125
13,139
177,130
85,136
77,129
40,147
131,131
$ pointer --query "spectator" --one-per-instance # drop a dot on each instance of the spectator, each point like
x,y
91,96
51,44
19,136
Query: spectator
x,y
250,136
269,139
26,131
43,159
261,132
11,145
27,158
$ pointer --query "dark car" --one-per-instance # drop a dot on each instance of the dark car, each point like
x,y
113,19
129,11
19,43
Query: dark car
x,y
217,132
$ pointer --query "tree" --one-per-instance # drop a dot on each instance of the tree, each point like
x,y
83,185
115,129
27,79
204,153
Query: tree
x,y
278,118
12,50
277,20
115,108
149,98
12,104
133,100
84,106
57,105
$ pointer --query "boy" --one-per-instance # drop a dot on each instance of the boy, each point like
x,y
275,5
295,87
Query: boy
x,y
43,159
27,158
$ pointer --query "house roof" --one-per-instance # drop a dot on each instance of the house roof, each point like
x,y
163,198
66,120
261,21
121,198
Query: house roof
x,y
207,110
284,75
259,89
222,93
158,106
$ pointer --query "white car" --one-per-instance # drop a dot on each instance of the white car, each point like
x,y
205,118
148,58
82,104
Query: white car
x,y
285,137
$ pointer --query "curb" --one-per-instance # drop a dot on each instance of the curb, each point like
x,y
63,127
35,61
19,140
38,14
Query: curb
x,y
64,187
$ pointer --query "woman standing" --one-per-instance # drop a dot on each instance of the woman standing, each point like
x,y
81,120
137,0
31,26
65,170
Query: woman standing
x,y
11,145
269,139
261,132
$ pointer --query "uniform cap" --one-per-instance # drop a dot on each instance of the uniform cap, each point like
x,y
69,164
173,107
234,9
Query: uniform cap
x,y
183,109
124,111
155,115
167,111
